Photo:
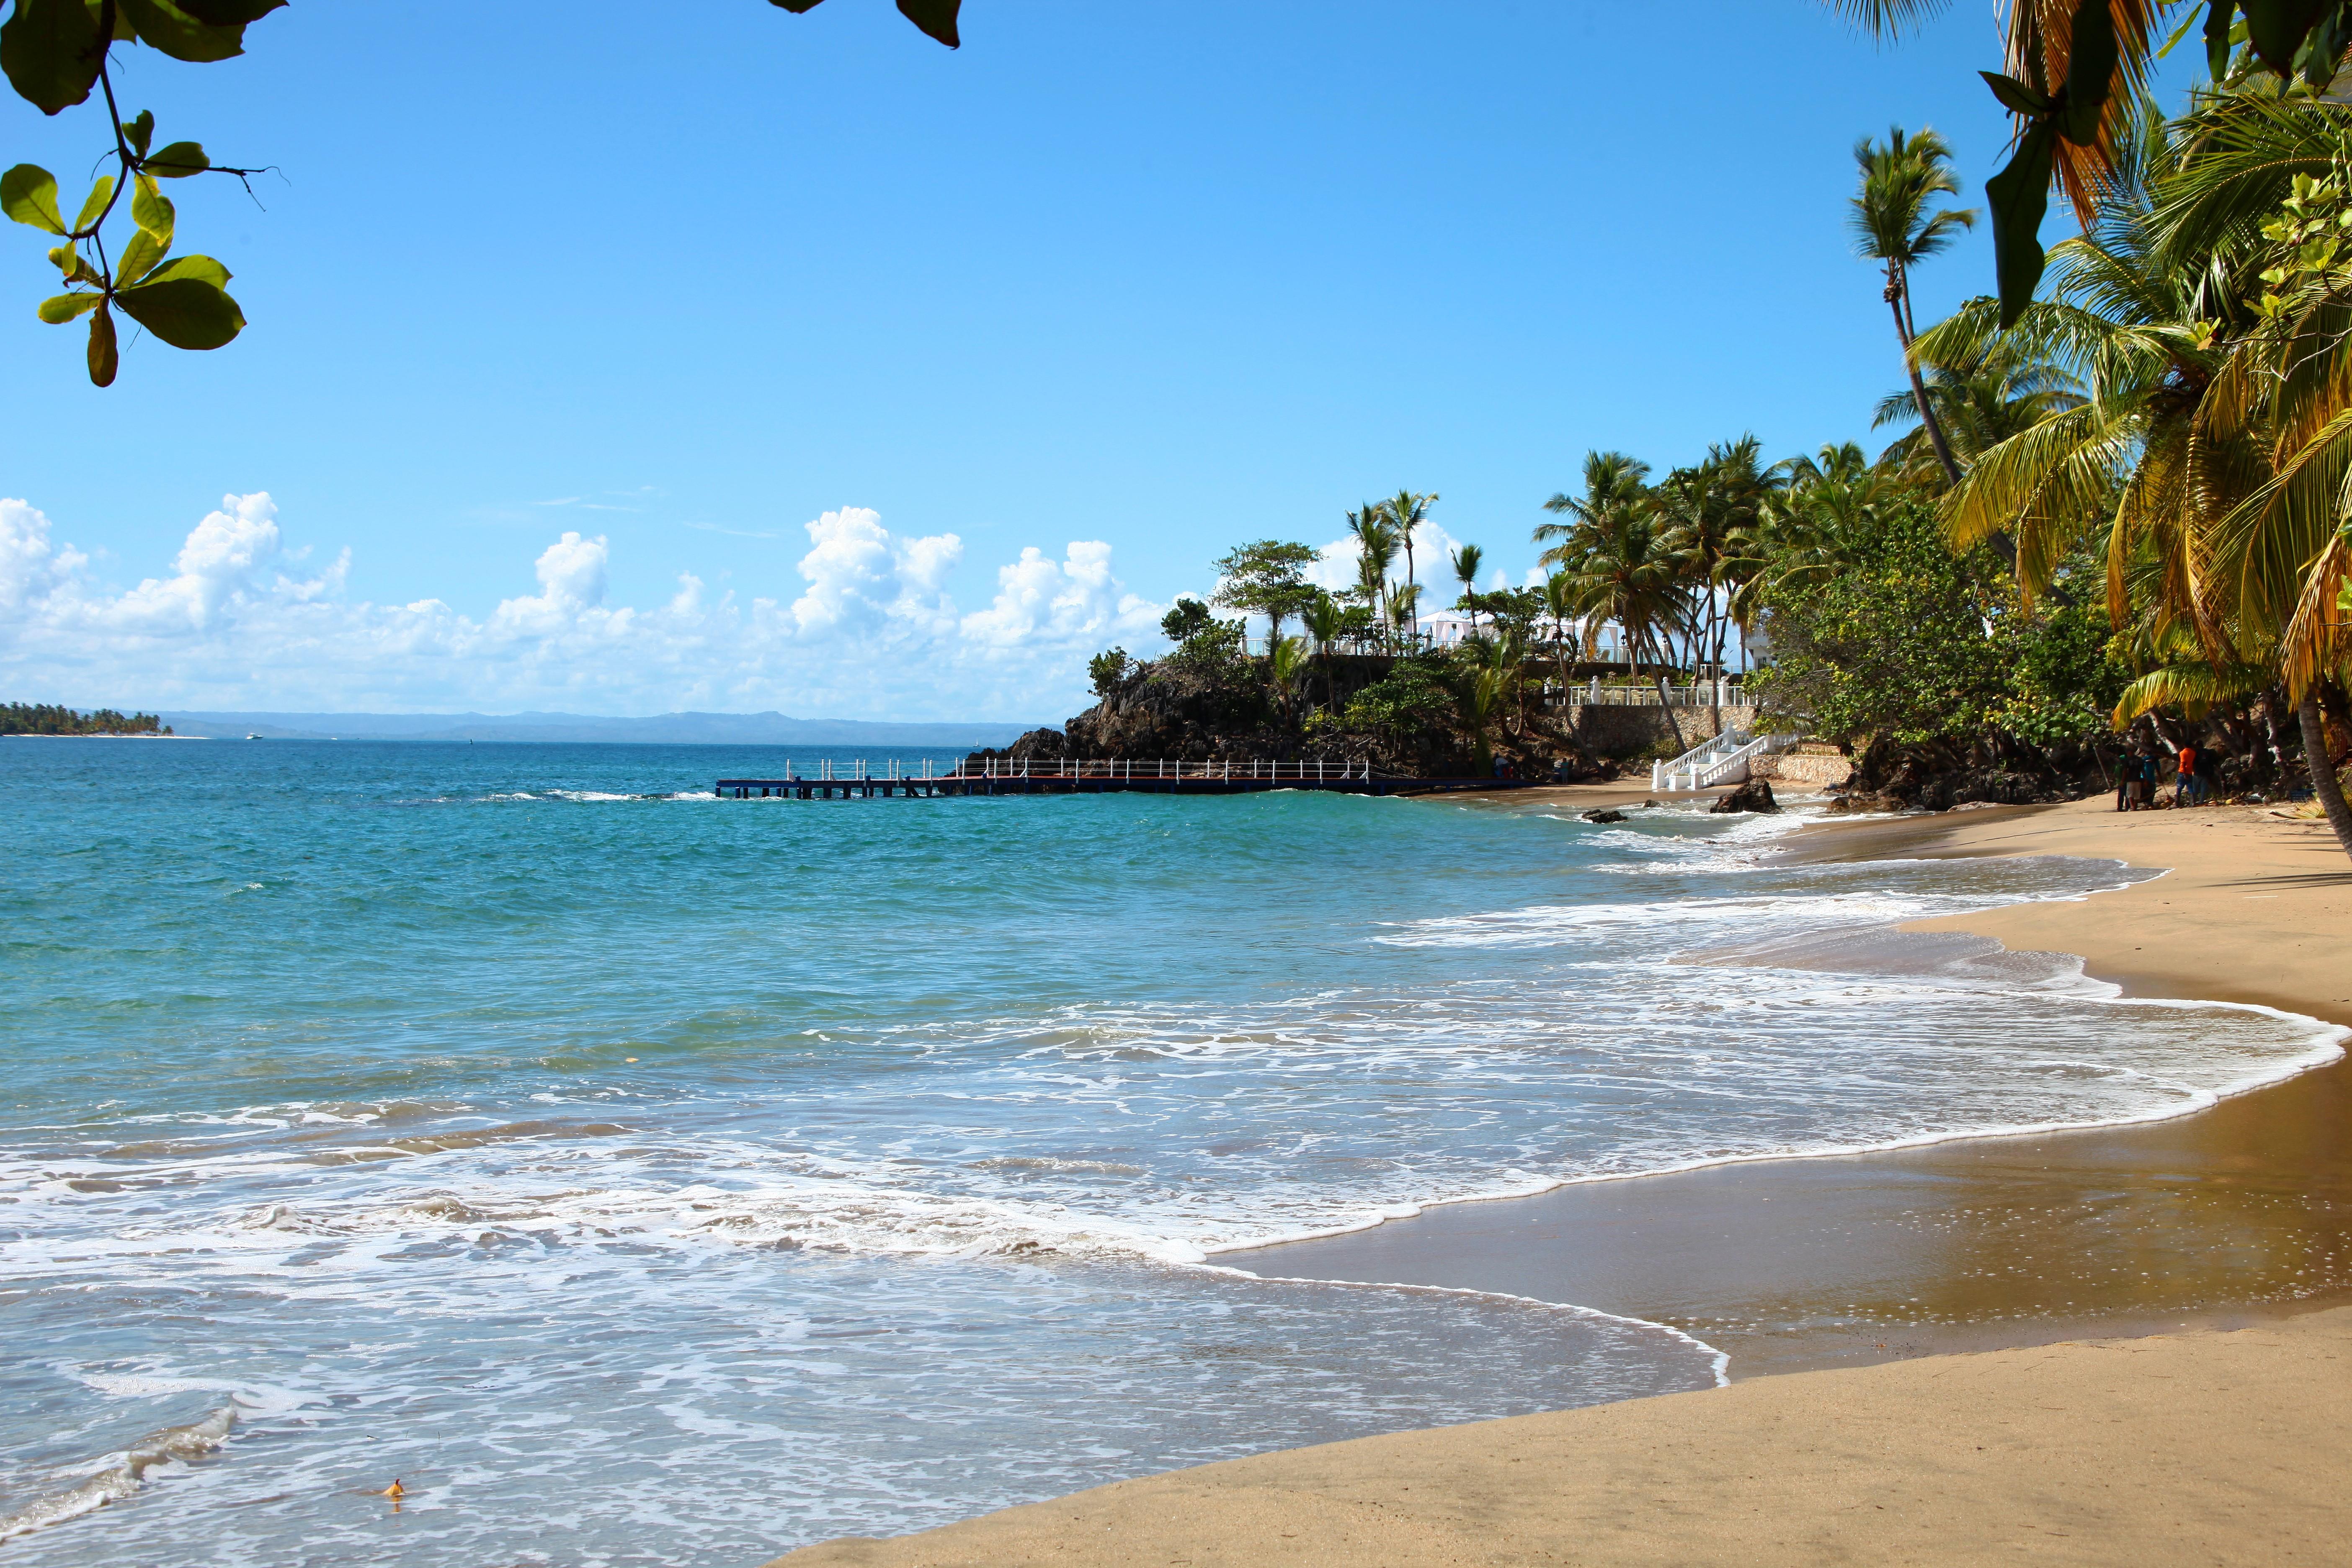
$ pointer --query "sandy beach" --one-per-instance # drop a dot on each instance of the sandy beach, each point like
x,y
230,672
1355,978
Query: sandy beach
x,y
2117,1345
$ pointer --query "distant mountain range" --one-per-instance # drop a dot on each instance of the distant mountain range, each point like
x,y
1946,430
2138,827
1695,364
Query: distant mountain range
x,y
671,729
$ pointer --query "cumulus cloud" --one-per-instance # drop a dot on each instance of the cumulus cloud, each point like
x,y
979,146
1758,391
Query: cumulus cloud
x,y
870,630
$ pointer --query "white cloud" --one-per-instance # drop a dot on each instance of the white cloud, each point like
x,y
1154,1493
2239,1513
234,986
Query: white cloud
x,y
873,630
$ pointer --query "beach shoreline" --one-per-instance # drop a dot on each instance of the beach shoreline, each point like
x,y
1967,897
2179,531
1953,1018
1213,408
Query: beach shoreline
x,y
2016,1256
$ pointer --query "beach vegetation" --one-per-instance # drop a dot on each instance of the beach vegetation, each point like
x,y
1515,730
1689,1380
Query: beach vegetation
x,y
49,718
1268,578
2170,389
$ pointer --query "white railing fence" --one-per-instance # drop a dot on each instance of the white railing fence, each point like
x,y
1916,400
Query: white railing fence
x,y
1720,760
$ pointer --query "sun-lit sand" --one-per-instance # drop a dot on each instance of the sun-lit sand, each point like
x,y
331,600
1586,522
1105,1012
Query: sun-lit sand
x,y
2185,1445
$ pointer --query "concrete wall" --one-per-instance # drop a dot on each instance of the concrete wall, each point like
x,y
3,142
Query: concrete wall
x,y
1633,731
1813,769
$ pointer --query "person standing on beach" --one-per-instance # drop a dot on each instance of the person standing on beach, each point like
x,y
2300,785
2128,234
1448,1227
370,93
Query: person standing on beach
x,y
2184,776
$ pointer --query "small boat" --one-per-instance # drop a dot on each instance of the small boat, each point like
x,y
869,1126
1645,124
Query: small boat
x,y
253,737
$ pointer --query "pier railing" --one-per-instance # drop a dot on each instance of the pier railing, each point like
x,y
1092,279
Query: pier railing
x,y
1094,775
1175,770
893,770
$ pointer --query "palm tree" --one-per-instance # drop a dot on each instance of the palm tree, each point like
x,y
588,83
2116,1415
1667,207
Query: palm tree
x,y
1409,512
1376,547
1892,226
1616,489
1404,611
1559,604
2209,314
1287,661
1466,561
1480,690
1629,578
1710,511
1324,619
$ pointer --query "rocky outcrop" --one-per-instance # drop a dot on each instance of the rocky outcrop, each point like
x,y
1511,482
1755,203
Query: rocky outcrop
x,y
1604,814
1755,796
1888,776
1220,710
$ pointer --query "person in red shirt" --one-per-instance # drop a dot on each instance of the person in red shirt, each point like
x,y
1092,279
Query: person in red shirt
x,y
2184,777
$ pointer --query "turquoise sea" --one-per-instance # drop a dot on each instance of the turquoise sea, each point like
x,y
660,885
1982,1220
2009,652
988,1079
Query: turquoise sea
x,y
644,1178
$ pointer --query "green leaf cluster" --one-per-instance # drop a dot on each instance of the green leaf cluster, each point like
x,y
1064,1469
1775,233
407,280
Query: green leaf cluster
x,y
1417,693
52,50
935,17
1906,643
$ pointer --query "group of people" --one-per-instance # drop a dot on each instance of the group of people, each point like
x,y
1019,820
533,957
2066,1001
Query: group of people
x,y
2141,770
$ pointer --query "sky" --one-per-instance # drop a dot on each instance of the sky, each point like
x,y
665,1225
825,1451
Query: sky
x,y
627,360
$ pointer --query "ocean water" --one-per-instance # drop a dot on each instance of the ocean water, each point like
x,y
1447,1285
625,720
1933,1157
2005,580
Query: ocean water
x,y
644,1178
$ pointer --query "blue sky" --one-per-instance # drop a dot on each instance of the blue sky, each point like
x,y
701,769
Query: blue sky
x,y
1150,278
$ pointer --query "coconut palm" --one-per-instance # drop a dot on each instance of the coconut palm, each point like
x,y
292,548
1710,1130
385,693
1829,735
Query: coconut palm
x,y
2138,329
1892,225
1616,491
1408,511
1629,576
1403,603
1480,690
1288,662
1466,561
1711,510
1376,548
1325,619
1560,605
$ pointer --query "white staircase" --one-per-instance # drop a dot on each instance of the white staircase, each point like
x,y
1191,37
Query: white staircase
x,y
1722,760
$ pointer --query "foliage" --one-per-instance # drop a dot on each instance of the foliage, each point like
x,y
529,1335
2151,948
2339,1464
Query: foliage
x,y
2072,71
2065,680
1417,693
1213,649
1269,578
55,53
1108,670
1909,644
936,17
47,718
1893,226
1186,619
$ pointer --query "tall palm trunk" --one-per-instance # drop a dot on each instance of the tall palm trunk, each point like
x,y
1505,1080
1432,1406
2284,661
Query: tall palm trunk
x,y
2322,767
1411,583
1898,301
1665,698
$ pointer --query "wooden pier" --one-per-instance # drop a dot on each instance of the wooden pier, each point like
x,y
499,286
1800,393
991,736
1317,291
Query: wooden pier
x,y
1068,776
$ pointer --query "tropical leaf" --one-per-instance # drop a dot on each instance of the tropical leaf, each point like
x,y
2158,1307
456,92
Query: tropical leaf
x,y
178,160
169,27
100,195
28,194
152,211
935,17
187,312
103,357
59,309
138,257
49,50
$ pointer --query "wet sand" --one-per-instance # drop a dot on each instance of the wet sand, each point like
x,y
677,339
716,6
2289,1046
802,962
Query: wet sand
x,y
2194,1449
2143,1437
2221,1217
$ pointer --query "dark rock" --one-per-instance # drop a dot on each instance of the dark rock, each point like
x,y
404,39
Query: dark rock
x,y
1604,815
1857,800
1755,796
